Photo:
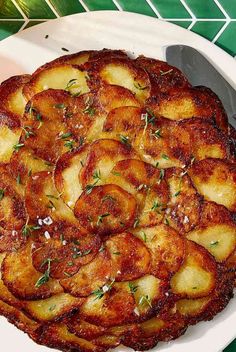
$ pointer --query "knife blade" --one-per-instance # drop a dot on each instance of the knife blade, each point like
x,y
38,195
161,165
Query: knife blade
x,y
199,71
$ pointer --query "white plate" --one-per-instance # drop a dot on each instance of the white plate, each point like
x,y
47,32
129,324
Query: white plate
x,y
138,34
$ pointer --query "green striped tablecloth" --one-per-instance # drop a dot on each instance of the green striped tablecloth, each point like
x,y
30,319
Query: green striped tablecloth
x,y
213,19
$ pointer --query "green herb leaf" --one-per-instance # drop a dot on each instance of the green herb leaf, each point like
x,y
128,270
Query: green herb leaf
x,y
138,86
124,139
65,49
164,156
144,236
2,193
145,300
177,194
65,135
45,277
214,243
101,217
18,146
18,179
59,106
132,287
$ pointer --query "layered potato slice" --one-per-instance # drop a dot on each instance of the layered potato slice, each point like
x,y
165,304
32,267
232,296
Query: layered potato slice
x,y
90,277
21,278
10,131
130,257
66,175
163,76
184,206
207,140
57,77
180,104
106,209
145,183
216,231
12,99
156,145
102,156
113,96
166,247
197,276
215,179
121,72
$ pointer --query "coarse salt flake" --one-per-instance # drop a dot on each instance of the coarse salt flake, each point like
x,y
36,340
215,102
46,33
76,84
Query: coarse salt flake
x,y
47,235
47,220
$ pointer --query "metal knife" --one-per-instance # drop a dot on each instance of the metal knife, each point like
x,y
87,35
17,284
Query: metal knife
x,y
200,71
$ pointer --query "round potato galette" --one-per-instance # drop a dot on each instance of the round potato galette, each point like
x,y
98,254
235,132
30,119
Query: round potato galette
x,y
117,202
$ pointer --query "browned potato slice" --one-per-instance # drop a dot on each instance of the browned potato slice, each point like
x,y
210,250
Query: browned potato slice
x,y
19,319
83,329
163,77
91,276
85,117
139,343
56,77
215,179
216,231
102,156
121,73
123,121
113,96
10,240
52,308
12,210
10,131
107,341
167,249
44,130
140,179
57,336
149,294
66,257
156,144
103,217
24,164
179,104
197,276
21,278
11,97
43,201
66,175
130,257
83,57
207,141
112,307
184,206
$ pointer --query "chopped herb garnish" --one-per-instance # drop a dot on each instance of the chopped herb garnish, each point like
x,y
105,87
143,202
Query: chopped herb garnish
x,y
71,83
157,164
45,277
65,49
177,193
139,87
46,36
155,205
2,193
144,236
116,253
157,134
29,172
18,179
18,146
89,109
164,156
68,114
78,253
65,135
194,288
52,196
53,307
136,223
47,163
214,243
162,174
28,131
96,177
27,230
81,141
101,217
102,248
115,173
132,287
51,205
69,144
101,291
62,237
163,73
108,197
124,139
167,222
70,263
67,274
59,106
145,299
